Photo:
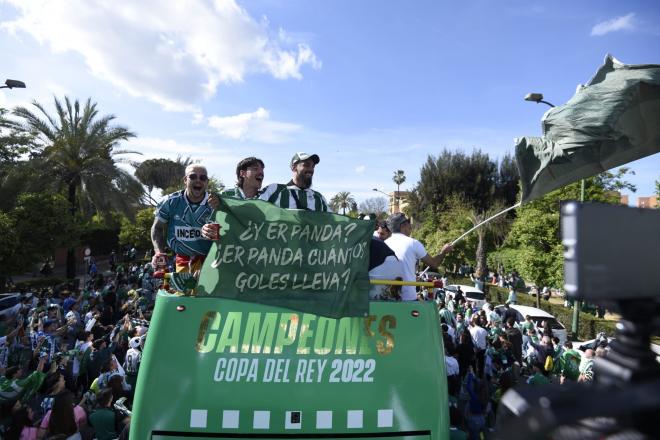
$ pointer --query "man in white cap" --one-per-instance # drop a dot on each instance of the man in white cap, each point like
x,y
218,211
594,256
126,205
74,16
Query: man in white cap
x,y
298,194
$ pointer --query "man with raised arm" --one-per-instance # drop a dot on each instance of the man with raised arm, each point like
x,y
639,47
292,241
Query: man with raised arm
x,y
179,219
409,251
249,176
298,194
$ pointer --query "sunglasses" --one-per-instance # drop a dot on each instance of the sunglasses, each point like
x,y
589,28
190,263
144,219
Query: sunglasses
x,y
201,177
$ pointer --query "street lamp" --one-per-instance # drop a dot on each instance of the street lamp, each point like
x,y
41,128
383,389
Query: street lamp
x,y
389,198
13,84
537,98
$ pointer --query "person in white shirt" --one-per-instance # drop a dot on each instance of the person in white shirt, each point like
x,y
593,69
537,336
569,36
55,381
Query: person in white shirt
x,y
409,251
479,337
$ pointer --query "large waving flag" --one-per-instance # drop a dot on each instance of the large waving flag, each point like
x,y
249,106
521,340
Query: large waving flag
x,y
612,120
314,262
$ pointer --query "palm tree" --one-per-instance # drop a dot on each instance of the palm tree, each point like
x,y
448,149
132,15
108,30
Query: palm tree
x,y
342,201
399,178
77,154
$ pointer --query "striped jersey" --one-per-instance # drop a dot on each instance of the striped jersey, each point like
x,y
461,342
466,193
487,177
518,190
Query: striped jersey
x,y
184,223
289,196
237,193
132,361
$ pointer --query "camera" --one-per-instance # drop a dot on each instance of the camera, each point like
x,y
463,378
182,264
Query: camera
x,y
599,241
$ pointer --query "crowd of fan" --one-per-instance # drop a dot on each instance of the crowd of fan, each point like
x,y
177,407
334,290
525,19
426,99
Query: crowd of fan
x,y
69,357
487,352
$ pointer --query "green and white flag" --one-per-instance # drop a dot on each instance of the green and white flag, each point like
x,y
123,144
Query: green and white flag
x,y
612,120
309,261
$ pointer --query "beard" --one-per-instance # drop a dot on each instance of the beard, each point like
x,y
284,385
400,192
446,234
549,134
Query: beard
x,y
305,180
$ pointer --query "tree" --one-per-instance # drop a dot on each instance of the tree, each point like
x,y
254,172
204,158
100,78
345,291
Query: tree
x,y
376,205
657,193
161,173
77,153
497,227
158,173
342,200
476,178
474,187
398,178
535,238
13,142
39,224
138,232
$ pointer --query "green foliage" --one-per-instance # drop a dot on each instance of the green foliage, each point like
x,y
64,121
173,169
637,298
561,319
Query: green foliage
x,y
160,173
343,201
215,185
534,244
138,232
441,228
9,243
475,178
399,178
37,226
13,142
657,193
77,153
457,192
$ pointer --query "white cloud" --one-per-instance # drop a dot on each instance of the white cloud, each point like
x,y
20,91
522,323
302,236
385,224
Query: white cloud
x,y
172,53
255,126
360,169
625,22
154,147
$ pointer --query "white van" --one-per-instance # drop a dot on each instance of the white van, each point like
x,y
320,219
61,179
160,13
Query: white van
x,y
471,294
538,316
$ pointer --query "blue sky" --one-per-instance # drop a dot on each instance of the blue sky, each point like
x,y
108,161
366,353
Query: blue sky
x,y
370,86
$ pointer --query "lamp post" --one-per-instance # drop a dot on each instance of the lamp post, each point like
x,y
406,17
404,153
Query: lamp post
x,y
389,198
538,98
13,84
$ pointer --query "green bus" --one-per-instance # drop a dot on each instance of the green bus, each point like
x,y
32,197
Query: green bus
x,y
220,368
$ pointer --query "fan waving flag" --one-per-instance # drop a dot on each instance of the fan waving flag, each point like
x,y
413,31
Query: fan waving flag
x,y
613,120
303,260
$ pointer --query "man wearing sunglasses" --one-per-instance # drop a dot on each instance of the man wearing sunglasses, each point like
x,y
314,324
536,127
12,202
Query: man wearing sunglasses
x,y
298,194
179,219
249,177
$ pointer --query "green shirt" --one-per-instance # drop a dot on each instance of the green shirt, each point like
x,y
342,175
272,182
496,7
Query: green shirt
x,y
103,421
527,326
237,193
538,379
570,364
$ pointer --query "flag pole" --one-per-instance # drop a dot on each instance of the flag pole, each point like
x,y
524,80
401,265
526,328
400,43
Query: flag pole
x,y
517,205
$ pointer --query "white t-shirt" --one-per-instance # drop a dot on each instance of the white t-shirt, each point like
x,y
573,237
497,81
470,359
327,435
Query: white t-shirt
x,y
478,337
389,270
408,251
451,365
82,348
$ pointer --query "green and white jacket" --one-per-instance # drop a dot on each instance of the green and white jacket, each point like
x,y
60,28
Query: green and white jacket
x,y
289,196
